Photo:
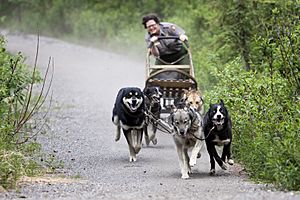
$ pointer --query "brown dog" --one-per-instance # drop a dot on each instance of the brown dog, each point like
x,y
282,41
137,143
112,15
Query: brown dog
x,y
194,99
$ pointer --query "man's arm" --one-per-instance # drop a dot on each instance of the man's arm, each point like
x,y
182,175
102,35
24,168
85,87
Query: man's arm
x,y
175,30
153,46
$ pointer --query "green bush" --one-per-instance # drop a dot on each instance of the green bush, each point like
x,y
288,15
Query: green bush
x,y
15,151
265,116
11,167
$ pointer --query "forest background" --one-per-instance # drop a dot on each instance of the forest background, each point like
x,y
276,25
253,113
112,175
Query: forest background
x,y
245,52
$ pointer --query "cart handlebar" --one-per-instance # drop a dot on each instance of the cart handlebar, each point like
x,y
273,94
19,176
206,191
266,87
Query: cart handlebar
x,y
170,37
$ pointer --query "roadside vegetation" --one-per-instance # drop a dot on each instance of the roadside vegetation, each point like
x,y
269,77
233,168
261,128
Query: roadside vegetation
x,y
14,152
244,52
19,104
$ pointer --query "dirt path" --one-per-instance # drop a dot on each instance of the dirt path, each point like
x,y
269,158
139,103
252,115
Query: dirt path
x,y
82,136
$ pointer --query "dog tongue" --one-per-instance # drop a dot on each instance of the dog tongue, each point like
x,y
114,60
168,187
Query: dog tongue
x,y
133,107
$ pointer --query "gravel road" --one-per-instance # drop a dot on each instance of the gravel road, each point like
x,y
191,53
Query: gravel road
x,y
81,135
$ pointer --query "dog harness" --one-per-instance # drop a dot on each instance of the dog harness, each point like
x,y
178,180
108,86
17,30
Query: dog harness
x,y
195,120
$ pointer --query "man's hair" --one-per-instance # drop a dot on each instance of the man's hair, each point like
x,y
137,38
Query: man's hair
x,y
148,17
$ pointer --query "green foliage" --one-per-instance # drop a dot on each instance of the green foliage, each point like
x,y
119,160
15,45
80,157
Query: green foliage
x,y
263,100
265,116
279,42
11,168
13,81
15,157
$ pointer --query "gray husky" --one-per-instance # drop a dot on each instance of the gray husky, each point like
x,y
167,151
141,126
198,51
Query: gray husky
x,y
188,134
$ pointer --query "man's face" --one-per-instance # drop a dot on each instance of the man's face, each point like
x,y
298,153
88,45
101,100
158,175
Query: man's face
x,y
152,27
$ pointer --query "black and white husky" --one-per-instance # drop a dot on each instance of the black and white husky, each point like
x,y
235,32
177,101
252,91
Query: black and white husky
x,y
218,131
128,114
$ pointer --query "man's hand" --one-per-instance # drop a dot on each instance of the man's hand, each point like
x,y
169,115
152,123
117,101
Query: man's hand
x,y
183,37
153,39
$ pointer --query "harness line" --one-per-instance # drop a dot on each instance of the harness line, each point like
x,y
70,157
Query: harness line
x,y
166,128
206,136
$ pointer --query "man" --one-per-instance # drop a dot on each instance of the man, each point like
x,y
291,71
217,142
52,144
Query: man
x,y
166,51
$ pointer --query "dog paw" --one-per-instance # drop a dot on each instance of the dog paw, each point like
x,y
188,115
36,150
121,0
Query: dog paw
x,y
132,159
224,166
147,142
117,139
154,141
199,155
212,172
185,176
230,161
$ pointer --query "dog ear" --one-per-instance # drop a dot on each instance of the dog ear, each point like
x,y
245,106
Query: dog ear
x,y
210,108
160,89
199,93
222,102
192,113
142,94
121,93
172,118
146,90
